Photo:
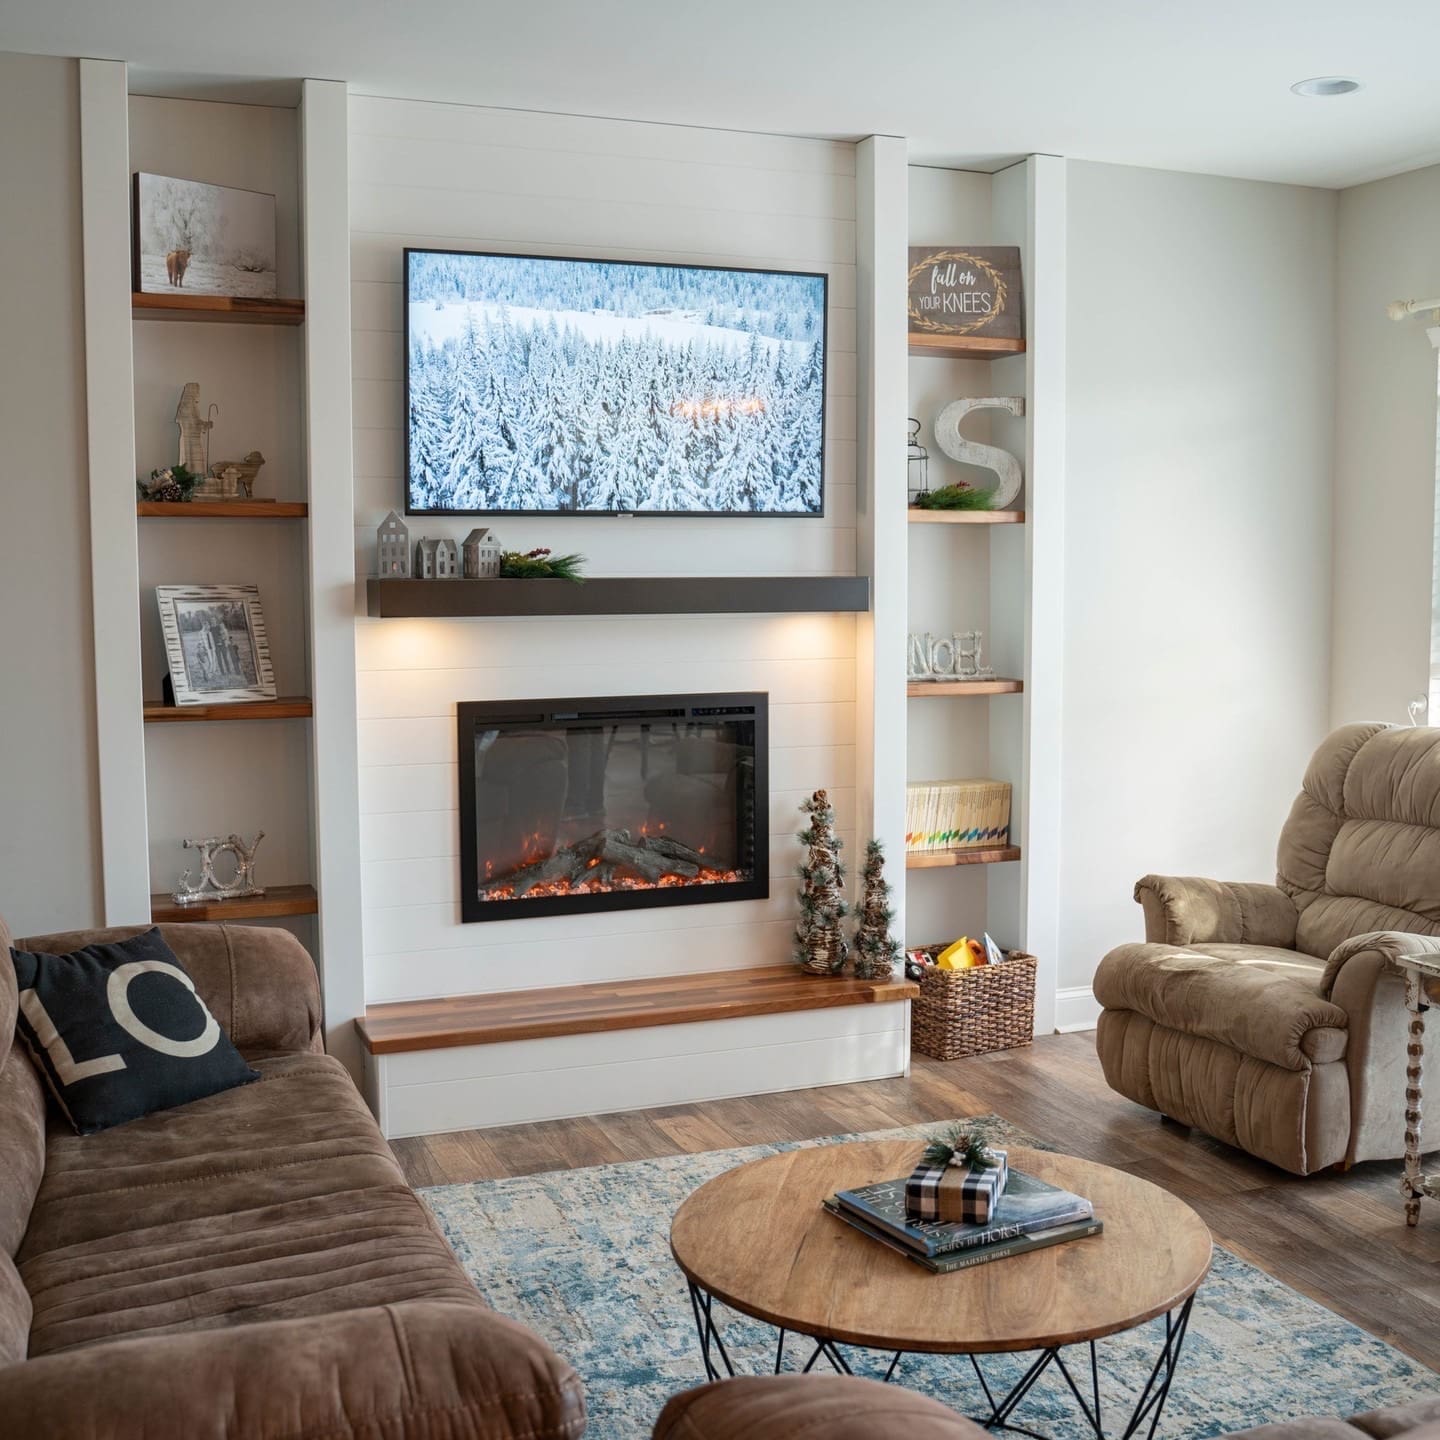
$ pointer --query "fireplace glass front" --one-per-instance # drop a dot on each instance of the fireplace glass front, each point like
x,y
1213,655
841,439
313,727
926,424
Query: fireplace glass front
x,y
611,804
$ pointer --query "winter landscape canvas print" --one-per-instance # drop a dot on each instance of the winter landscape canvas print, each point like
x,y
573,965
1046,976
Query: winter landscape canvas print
x,y
205,239
569,386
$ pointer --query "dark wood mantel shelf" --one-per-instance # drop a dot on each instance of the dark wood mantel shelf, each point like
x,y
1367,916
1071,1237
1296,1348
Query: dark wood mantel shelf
x,y
616,595
618,1005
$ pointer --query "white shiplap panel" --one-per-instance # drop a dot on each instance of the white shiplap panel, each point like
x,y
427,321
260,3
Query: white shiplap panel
x,y
394,166
435,691
425,174
662,639
656,1042
554,1090
722,945
386,117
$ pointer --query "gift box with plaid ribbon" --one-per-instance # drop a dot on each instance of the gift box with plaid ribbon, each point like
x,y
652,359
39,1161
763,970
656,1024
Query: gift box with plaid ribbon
x,y
957,1191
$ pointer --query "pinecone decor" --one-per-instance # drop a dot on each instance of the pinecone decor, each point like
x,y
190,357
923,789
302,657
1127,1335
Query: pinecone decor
x,y
877,951
820,948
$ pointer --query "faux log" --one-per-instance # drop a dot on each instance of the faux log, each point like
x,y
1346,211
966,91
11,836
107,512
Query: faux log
x,y
652,858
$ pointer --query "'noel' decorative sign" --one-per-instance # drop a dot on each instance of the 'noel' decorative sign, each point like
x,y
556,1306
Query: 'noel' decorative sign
x,y
971,291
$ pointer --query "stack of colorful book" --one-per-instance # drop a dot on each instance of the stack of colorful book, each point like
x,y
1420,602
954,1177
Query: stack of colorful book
x,y
1030,1215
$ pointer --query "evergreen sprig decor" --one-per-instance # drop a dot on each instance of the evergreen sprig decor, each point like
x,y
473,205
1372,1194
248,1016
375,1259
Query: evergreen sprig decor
x,y
541,565
877,951
959,1146
955,497
820,948
171,485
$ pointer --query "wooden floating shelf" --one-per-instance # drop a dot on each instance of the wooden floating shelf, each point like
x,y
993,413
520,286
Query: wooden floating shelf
x,y
964,347
287,707
964,517
221,509
642,595
277,901
967,855
619,1005
939,689
231,309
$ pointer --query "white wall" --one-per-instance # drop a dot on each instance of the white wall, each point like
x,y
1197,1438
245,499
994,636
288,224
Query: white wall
x,y
442,175
1197,581
1385,448
49,848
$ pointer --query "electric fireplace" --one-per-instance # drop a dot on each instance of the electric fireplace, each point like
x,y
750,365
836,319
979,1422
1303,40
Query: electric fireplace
x,y
612,804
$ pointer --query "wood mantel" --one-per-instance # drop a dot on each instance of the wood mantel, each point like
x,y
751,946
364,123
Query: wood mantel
x,y
616,1005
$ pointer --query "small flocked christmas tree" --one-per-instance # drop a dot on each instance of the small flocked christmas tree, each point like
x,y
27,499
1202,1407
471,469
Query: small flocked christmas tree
x,y
820,948
876,949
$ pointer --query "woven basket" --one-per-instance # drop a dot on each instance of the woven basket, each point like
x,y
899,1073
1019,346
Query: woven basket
x,y
971,1012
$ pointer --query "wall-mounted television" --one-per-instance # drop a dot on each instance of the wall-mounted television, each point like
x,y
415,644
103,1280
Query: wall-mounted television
x,y
545,386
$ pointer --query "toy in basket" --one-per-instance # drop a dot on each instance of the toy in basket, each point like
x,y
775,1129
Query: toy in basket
x,y
959,1180
974,1007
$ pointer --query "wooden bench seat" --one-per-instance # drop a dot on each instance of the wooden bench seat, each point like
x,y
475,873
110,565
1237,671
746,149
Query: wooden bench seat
x,y
615,1005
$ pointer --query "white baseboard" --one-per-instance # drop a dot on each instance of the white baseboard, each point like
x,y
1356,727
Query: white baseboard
x,y
1076,1008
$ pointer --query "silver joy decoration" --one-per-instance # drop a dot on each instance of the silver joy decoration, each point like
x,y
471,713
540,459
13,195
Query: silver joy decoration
x,y
209,887
953,657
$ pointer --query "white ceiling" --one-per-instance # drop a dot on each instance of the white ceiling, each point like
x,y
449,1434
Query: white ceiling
x,y
1181,84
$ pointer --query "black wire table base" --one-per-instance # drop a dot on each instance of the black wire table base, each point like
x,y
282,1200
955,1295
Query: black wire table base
x,y
1144,1418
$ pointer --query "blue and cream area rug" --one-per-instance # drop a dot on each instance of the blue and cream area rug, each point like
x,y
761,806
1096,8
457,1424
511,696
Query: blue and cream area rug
x,y
583,1258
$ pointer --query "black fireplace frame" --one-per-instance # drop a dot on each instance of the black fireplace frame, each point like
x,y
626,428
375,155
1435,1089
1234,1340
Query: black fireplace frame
x,y
753,705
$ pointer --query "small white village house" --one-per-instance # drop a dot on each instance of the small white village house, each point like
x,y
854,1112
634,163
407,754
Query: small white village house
x,y
392,548
481,550
436,559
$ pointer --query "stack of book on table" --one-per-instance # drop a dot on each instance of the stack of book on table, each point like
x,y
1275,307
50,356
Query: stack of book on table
x,y
1030,1215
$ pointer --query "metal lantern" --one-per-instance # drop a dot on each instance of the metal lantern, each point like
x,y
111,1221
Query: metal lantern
x,y
917,463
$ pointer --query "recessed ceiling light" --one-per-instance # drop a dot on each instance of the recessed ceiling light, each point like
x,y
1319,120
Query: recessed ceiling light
x,y
1324,85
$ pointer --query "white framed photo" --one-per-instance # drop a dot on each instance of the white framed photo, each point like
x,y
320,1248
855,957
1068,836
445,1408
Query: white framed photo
x,y
192,238
215,643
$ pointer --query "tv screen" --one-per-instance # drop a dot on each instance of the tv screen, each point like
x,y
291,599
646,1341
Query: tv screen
x,y
546,386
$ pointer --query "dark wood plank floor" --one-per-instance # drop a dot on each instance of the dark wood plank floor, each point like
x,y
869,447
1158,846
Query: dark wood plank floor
x,y
1339,1238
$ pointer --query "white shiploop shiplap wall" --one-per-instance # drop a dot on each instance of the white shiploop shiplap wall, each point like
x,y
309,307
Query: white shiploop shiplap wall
x,y
467,178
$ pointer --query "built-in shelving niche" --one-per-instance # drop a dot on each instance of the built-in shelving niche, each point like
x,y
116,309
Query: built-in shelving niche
x,y
247,355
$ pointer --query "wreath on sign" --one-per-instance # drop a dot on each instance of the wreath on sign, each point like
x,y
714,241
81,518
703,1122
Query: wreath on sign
x,y
968,327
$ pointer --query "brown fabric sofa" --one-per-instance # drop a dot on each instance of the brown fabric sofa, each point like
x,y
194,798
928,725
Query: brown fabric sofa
x,y
1271,1016
789,1407
248,1267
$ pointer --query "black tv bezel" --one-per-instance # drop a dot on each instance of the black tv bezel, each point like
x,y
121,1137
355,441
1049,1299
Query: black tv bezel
x,y
473,714
820,275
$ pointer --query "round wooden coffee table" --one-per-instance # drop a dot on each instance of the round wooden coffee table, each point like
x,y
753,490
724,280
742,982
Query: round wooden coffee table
x,y
757,1239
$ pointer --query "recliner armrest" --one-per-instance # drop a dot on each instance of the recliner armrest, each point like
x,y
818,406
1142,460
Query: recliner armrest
x,y
1390,945
1187,910
424,1369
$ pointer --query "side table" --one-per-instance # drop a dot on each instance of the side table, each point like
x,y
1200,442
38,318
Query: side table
x,y
1422,981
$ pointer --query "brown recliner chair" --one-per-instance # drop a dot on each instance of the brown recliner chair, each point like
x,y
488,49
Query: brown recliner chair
x,y
1271,1016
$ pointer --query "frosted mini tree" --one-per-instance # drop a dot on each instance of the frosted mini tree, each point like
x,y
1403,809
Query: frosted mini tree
x,y
876,949
820,947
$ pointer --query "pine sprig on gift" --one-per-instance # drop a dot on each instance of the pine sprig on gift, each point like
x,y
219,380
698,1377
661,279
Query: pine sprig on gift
x,y
959,1146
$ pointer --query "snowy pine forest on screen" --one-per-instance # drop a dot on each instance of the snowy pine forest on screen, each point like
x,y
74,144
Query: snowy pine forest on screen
x,y
563,385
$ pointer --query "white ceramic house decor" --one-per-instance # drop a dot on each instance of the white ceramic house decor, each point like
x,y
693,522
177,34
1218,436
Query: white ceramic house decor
x,y
988,457
436,559
392,548
481,554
